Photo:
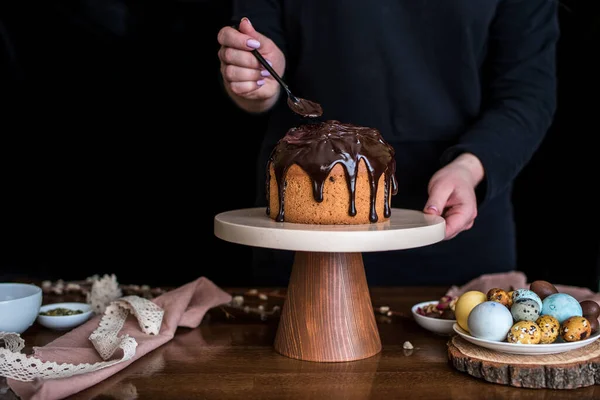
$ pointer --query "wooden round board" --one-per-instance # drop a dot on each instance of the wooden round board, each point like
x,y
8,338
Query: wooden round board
x,y
570,370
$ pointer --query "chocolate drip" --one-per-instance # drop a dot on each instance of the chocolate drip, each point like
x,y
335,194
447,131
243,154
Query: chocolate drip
x,y
317,148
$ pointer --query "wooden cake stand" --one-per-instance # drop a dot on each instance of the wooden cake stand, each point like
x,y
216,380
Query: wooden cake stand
x,y
328,315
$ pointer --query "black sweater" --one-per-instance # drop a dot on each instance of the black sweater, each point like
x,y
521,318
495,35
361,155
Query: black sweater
x,y
437,78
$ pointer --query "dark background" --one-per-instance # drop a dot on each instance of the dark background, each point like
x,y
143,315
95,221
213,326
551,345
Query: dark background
x,y
113,158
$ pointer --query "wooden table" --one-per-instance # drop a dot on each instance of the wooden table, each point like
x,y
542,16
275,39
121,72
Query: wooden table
x,y
233,358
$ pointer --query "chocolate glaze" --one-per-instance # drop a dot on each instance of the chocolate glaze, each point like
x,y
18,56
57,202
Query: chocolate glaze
x,y
305,108
318,147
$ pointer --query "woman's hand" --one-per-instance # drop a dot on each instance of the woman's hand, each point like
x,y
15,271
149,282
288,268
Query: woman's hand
x,y
452,193
246,81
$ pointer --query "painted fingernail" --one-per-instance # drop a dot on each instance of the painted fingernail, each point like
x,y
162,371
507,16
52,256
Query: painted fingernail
x,y
270,63
261,82
264,72
255,44
433,208
247,20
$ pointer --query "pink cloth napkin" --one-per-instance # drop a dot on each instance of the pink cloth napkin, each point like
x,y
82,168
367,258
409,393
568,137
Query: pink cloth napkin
x,y
183,307
518,280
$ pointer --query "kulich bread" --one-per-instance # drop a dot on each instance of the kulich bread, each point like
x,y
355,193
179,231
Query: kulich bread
x,y
301,207
331,173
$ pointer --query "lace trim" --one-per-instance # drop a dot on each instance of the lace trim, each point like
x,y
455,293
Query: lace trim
x,y
16,365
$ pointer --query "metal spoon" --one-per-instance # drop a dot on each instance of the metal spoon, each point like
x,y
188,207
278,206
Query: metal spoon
x,y
303,107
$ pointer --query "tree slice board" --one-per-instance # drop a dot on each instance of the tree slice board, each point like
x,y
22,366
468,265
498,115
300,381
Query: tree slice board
x,y
569,370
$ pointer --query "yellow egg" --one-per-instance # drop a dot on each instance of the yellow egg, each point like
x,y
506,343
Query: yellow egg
x,y
464,304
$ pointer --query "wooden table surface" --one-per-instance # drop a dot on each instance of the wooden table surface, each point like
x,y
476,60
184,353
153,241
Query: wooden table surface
x,y
231,356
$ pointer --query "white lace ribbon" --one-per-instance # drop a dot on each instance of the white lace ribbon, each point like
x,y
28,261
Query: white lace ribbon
x,y
16,365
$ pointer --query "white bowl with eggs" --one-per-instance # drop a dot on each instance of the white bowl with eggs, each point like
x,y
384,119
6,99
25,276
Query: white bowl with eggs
x,y
526,349
437,325
526,322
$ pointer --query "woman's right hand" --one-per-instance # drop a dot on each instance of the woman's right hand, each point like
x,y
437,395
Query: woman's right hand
x,y
244,77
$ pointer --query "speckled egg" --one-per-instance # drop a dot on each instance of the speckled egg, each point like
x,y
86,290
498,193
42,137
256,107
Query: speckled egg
x,y
561,306
490,320
524,332
525,310
574,329
549,328
526,294
499,295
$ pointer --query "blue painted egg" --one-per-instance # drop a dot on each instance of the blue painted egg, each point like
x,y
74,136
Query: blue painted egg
x,y
561,306
490,320
526,294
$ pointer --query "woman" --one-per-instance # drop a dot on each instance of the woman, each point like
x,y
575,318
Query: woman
x,y
464,91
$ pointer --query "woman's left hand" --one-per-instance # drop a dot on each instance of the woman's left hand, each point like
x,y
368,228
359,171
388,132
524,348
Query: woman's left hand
x,y
452,193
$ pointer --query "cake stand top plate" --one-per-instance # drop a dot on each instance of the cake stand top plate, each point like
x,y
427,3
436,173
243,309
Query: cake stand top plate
x,y
404,230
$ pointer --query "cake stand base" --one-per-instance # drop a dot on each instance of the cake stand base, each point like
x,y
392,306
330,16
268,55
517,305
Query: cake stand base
x,y
328,314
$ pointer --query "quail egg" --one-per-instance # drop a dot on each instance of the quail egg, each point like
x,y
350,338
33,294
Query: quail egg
x,y
549,327
575,328
525,310
526,294
524,332
499,295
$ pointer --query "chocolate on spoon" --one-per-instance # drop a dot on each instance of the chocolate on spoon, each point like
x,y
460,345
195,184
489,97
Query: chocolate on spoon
x,y
303,107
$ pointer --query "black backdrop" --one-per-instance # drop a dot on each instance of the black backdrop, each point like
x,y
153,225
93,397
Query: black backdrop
x,y
109,125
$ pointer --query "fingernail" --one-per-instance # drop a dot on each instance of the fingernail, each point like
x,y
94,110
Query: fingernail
x,y
261,82
433,208
247,20
255,44
264,72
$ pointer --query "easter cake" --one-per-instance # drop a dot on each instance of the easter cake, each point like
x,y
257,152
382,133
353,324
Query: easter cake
x,y
331,173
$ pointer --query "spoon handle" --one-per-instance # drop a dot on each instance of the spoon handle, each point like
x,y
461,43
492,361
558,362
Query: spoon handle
x,y
274,74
